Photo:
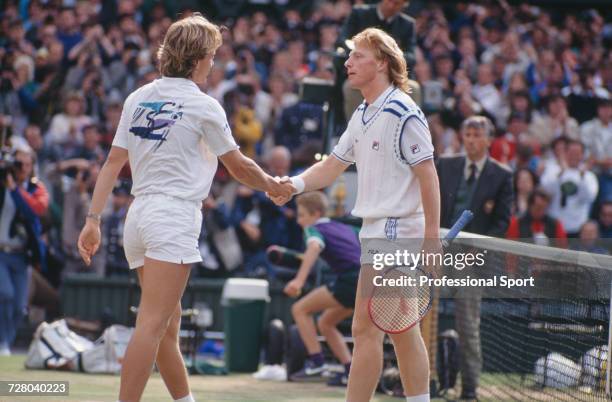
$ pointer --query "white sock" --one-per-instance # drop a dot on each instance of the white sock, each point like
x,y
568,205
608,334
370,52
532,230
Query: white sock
x,y
188,398
418,398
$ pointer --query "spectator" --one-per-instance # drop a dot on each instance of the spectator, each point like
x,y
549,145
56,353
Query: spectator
x,y
597,137
556,122
525,182
388,16
605,220
66,128
572,190
23,200
480,184
589,238
485,91
76,205
503,149
112,229
90,149
536,224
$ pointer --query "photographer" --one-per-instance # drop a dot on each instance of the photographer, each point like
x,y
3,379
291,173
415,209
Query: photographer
x,y
23,200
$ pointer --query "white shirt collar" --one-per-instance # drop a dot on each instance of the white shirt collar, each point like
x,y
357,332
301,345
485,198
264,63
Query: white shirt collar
x,y
378,103
479,166
323,219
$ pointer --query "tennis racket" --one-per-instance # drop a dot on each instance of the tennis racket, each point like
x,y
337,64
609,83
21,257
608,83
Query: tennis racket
x,y
396,309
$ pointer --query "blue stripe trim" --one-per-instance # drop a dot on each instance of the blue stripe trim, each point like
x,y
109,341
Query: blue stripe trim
x,y
400,104
402,133
421,160
363,120
392,111
341,158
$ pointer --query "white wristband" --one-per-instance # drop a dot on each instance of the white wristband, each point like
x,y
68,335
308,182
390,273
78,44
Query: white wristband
x,y
298,183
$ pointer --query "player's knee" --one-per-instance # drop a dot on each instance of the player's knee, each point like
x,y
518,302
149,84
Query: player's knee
x,y
174,326
365,332
325,326
155,325
298,309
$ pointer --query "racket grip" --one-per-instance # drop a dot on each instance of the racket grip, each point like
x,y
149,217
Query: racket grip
x,y
284,257
464,219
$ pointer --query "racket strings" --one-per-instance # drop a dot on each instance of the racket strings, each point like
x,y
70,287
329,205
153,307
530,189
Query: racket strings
x,y
397,308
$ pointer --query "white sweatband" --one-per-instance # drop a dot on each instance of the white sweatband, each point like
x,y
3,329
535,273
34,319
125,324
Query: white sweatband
x,y
298,183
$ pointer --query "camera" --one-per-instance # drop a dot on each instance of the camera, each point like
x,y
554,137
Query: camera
x,y
8,164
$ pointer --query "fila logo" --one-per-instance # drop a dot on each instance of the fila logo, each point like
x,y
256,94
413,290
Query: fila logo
x,y
415,149
375,145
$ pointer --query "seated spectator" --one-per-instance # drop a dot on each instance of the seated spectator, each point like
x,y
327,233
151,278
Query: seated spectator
x,y
66,128
588,239
503,148
573,190
525,182
536,224
90,149
485,91
597,137
555,123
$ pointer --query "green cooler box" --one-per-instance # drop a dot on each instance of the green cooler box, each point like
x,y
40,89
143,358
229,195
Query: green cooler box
x,y
244,303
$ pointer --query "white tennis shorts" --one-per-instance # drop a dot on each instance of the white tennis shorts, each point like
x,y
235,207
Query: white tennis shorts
x,y
388,235
163,228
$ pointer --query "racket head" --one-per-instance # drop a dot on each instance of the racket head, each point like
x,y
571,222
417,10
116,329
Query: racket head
x,y
396,309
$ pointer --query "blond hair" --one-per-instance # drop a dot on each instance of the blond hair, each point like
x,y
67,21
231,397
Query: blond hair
x,y
187,41
313,201
386,48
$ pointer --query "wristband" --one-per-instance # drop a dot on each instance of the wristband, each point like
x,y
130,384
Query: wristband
x,y
298,183
95,217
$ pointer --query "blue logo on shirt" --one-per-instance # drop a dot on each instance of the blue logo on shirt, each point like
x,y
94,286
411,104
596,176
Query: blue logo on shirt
x,y
153,120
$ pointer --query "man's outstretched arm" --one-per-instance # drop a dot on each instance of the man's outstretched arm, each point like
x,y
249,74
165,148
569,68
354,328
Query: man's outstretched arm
x,y
247,172
318,176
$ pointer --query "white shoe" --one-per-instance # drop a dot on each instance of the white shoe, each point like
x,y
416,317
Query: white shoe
x,y
271,373
5,351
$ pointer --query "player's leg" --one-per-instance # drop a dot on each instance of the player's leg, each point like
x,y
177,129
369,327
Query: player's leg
x,y
366,365
303,310
169,359
328,327
413,361
161,292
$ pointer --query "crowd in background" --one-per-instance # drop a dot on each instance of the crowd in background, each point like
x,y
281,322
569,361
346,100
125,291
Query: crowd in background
x,y
543,77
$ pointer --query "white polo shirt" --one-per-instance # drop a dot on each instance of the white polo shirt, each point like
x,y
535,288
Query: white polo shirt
x,y
173,133
385,139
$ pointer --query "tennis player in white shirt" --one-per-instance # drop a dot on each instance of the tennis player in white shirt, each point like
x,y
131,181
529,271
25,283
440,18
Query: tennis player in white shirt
x,y
172,134
398,197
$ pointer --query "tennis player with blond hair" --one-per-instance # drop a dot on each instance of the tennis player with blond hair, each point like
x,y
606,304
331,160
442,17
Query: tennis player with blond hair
x,y
398,197
172,134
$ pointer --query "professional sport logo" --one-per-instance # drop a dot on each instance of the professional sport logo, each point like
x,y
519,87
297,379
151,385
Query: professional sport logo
x,y
153,120
415,149
375,145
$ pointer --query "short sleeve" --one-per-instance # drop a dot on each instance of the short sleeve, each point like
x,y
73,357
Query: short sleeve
x,y
344,150
216,130
312,234
415,141
121,135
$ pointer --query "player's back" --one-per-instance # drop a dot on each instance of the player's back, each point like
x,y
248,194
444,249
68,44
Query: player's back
x,y
168,127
